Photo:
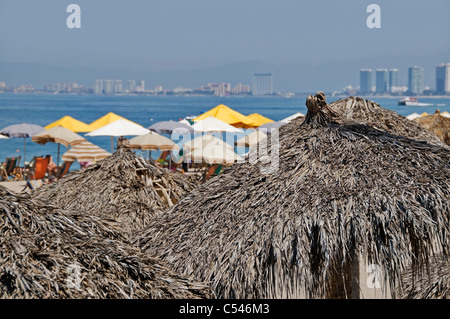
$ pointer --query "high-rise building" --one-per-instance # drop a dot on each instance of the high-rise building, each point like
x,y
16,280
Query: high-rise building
x,y
118,86
131,85
262,84
443,78
415,80
220,89
365,81
140,86
241,89
393,80
98,88
381,81
108,86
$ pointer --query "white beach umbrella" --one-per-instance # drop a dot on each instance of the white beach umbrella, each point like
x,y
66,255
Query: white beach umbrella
x,y
119,128
212,124
152,141
413,116
201,142
251,139
214,153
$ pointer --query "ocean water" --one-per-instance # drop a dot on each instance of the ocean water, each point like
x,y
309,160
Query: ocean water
x,y
147,110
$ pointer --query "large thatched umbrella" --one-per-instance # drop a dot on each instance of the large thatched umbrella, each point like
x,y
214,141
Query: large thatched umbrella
x,y
431,284
372,114
48,253
436,124
123,186
342,190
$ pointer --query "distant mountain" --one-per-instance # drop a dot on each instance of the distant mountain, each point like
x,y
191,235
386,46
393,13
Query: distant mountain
x,y
297,77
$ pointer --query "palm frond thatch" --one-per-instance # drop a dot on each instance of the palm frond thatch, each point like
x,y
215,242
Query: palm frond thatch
x,y
123,187
436,124
434,283
48,253
342,189
372,114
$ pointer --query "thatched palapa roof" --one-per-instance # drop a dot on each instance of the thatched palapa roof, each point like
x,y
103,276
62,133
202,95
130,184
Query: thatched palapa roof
x,y
372,114
436,124
342,189
432,284
48,253
124,187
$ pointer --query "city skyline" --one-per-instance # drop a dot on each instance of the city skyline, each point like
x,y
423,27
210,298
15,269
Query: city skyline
x,y
206,41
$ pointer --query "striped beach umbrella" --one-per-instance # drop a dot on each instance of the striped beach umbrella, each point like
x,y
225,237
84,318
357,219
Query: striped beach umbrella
x,y
85,152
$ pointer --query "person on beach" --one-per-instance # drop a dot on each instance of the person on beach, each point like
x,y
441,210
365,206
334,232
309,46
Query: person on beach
x,y
52,169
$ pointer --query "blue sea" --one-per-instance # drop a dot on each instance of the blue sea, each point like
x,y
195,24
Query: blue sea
x,y
146,110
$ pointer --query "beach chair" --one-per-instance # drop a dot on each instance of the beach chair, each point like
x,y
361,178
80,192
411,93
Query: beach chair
x,y
163,159
37,168
63,169
11,170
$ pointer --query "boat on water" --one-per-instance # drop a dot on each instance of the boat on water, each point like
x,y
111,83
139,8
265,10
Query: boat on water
x,y
412,101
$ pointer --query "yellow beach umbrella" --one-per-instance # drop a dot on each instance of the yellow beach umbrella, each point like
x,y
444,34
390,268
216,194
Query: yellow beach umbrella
x,y
105,120
71,124
258,119
227,115
424,114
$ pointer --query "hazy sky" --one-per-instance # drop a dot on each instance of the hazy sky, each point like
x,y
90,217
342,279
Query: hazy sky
x,y
165,34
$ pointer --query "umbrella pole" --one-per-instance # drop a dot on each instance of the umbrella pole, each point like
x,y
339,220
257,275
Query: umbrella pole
x,y
57,160
150,155
170,160
112,144
24,152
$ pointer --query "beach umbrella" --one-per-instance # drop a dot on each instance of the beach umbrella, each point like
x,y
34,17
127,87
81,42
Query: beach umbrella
x,y
71,124
252,139
269,127
212,124
152,141
85,152
374,115
119,128
214,153
342,193
169,127
293,116
227,115
23,130
201,141
436,124
59,135
55,253
445,114
413,116
258,119
105,120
